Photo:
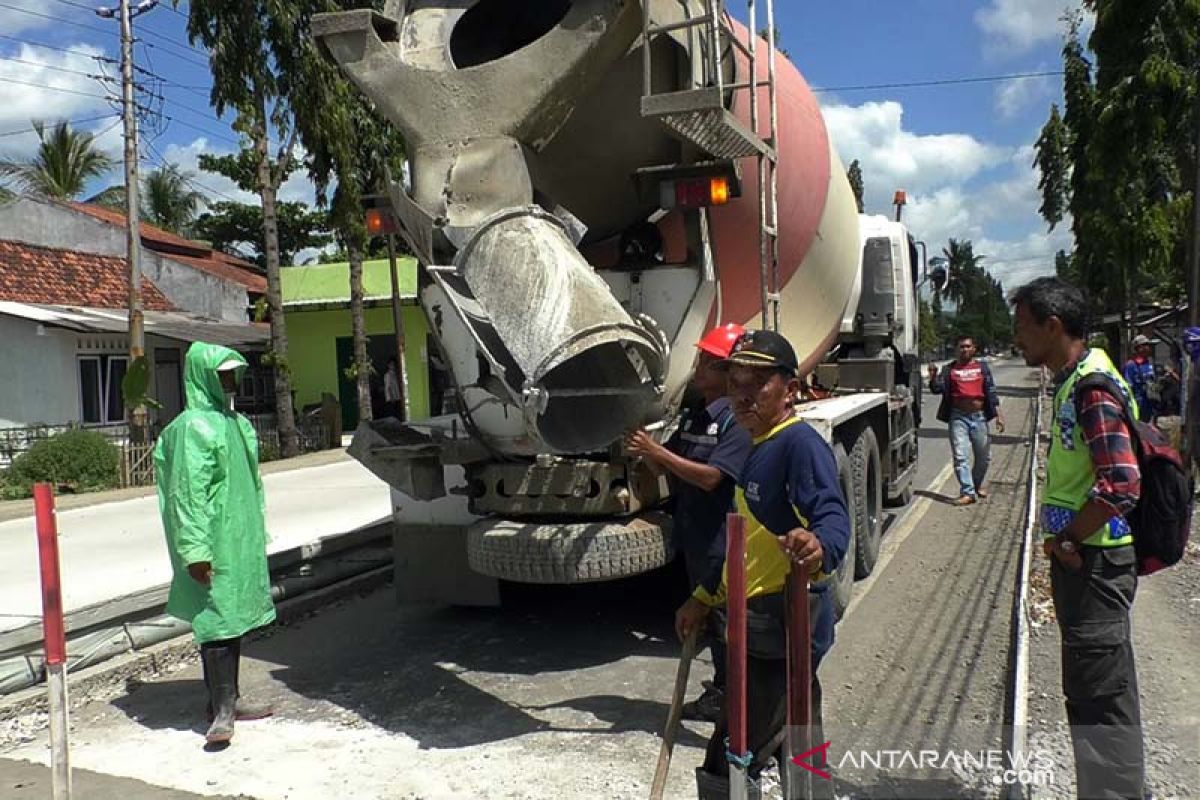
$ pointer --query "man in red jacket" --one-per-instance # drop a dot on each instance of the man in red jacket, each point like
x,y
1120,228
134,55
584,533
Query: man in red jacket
x,y
969,403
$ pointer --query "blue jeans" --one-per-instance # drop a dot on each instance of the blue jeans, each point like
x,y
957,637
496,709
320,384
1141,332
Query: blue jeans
x,y
969,436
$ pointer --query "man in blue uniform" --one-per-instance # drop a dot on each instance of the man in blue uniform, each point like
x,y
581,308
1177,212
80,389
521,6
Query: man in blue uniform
x,y
703,460
796,518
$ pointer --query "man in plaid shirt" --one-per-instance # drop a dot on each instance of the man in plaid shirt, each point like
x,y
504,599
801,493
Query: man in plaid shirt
x,y
1092,481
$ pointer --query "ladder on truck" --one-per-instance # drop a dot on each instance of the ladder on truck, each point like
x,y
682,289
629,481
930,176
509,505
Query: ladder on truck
x,y
699,114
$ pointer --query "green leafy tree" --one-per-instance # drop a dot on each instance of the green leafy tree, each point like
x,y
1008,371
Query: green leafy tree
x,y
267,71
170,201
237,229
855,175
360,150
65,161
1120,157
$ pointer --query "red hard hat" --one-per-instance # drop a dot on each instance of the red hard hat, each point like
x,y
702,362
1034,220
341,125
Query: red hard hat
x,y
720,340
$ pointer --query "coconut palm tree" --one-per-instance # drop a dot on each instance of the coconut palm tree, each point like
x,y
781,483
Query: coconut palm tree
x,y
65,161
964,272
171,202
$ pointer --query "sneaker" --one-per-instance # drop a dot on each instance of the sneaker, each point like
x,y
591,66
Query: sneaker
x,y
706,707
982,494
965,500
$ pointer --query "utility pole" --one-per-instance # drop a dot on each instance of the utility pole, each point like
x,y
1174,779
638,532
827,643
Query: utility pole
x,y
133,236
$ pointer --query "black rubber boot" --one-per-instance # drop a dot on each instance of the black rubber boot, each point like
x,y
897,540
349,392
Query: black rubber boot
x,y
220,675
246,709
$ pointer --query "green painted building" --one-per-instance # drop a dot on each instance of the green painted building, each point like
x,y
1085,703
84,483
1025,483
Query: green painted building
x,y
316,302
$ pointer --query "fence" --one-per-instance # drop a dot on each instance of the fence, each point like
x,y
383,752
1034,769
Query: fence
x,y
137,458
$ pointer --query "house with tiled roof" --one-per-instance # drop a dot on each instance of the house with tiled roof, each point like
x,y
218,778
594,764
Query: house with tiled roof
x,y
194,277
64,329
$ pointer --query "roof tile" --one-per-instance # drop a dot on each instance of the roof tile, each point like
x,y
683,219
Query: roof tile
x,y
33,274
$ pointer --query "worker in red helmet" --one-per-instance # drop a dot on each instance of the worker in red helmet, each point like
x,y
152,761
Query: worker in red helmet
x,y
703,461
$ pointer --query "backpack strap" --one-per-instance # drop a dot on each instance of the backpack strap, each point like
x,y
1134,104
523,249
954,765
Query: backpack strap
x,y
1106,383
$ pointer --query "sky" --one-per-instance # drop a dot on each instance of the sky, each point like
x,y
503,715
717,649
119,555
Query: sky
x,y
962,151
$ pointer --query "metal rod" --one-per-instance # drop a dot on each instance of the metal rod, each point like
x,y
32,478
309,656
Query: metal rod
x,y
799,677
670,26
55,645
398,323
647,78
735,565
714,41
773,134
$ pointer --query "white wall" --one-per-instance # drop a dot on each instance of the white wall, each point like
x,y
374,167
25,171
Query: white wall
x,y
38,375
188,288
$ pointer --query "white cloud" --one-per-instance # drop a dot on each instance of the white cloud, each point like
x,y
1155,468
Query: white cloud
x,y
894,158
297,188
1014,27
958,187
1013,97
52,86
13,20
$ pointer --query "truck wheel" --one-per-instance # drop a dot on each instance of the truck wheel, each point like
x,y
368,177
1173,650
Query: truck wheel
x,y
843,579
868,500
528,552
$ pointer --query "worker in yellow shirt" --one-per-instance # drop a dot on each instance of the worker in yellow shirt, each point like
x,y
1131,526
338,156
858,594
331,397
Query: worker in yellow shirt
x,y
796,518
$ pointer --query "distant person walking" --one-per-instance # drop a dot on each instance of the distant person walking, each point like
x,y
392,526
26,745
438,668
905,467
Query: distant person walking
x,y
1138,372
1092,481
969,403
210,495
392,398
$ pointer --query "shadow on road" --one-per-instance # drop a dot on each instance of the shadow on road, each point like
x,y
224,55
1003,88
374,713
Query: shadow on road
x,y
458,677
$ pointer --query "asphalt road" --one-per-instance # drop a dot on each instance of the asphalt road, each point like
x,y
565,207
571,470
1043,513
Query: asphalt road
x,y
563,692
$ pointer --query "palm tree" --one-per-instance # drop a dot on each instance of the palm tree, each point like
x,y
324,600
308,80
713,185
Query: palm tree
x,y
171,203
65,161
963,271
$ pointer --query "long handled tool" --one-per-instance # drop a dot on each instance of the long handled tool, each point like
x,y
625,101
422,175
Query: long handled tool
x,y
799,685
673,717
735,698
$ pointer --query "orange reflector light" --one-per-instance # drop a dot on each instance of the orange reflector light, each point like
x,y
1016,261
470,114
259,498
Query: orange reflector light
x,y
701,192
718,191
379,222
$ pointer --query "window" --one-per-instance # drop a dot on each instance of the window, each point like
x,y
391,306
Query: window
x,y
100,389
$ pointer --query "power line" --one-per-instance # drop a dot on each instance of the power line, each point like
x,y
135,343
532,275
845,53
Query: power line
x,y
59,20
51,67
53,88
75,122
1016,76
71,50
190,181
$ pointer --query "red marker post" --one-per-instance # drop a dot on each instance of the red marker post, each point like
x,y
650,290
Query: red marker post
x,y
735,565
55,638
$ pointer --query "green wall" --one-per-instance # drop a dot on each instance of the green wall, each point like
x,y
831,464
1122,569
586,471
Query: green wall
x,y
312,351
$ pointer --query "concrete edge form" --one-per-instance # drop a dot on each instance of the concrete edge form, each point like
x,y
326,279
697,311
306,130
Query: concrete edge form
x,y
1018,712
133,665
136,622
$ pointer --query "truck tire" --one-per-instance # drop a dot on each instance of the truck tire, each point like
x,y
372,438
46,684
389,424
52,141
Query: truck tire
x,y
843,579
867,475
586,552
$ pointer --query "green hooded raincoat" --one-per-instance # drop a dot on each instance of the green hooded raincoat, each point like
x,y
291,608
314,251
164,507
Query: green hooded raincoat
x,y
211,498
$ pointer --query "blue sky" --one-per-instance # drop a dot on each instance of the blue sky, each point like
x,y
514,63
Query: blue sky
x,y
962,152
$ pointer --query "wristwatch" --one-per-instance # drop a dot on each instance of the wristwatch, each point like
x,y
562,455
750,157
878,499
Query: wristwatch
x,y
1067,544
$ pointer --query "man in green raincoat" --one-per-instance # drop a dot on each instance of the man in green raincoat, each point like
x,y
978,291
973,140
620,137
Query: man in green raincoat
x,y
211,498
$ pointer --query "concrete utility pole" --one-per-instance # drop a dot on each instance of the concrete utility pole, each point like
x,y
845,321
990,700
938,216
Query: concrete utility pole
x,y
133,237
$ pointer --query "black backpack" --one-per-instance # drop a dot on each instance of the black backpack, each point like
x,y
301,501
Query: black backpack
x,y
1162,519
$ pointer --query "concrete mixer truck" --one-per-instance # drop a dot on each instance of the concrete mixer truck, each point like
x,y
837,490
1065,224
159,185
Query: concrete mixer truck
x,y
591,184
